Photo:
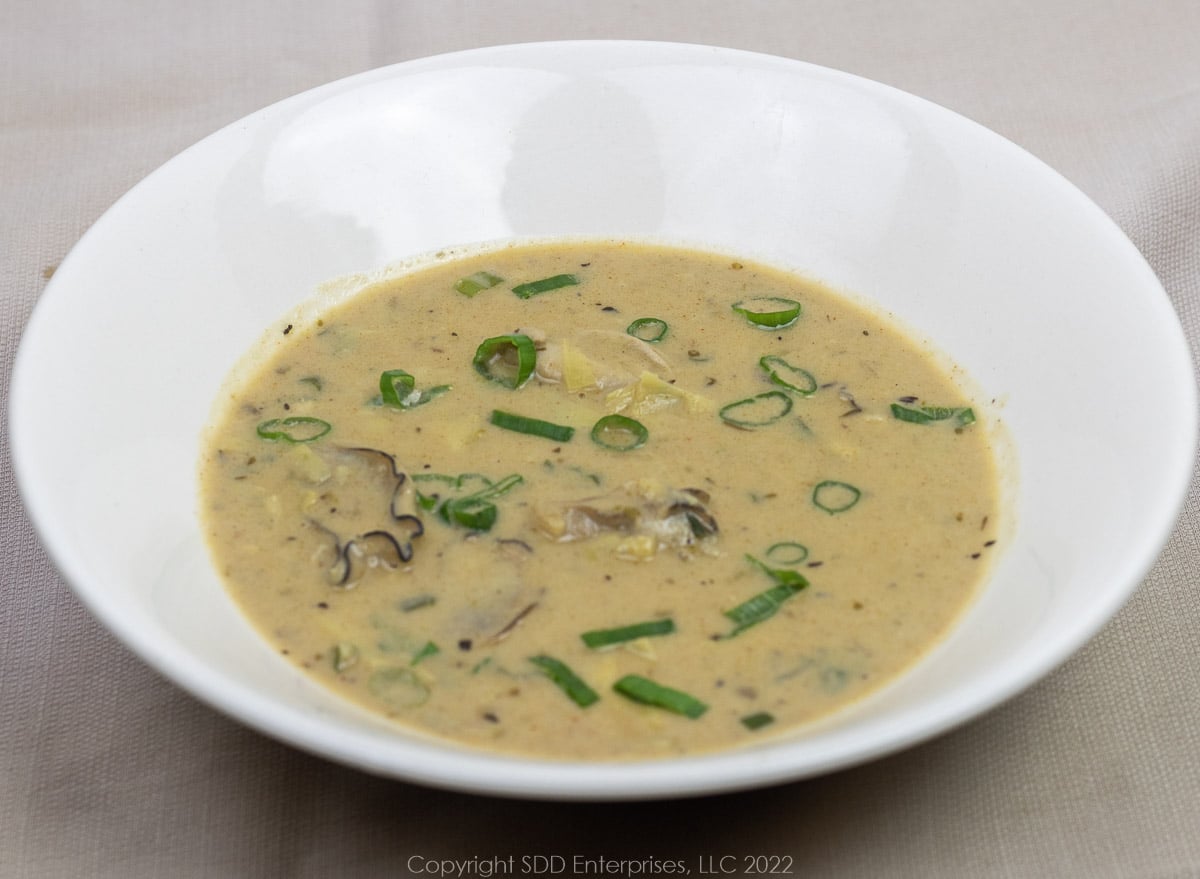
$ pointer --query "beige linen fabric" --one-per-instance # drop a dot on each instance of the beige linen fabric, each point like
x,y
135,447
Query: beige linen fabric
x,y
106,770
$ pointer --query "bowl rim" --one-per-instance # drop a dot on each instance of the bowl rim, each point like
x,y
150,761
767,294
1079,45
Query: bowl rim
x,y
482,772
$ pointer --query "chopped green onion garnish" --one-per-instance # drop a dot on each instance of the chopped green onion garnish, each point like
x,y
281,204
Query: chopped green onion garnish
x,y
963,415
787,553
472,284
344,656
313,380
533,288
758,721
791,377
757,411
492,352
417,602
646,691
430,649
619,433
397,389
769,312
470,512
475,510
608,637
764,605
533,426
294,429
648,329
835,497
566,680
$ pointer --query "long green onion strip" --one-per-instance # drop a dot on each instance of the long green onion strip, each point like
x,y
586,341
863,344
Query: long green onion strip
x,y
619,433
648,692
430,649
787,553
961,415
398,390
533,288
566,680
502,350
294,429
765,604
785,375
648,329
758,720
833,496
532,426
472,284
757,411
769,312
597,638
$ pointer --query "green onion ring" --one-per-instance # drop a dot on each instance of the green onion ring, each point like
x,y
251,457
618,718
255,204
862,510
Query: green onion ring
x,y
281,429
759,401
796,553
635,431
777,368
657,329
490,348
835,497
769,312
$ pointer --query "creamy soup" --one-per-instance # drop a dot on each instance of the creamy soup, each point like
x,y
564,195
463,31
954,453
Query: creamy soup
x,y
600,500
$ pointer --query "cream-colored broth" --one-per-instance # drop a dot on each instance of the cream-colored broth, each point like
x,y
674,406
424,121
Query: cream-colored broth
x,y
442,638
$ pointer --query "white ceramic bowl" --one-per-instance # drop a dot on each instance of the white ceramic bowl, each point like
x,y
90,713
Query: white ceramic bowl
x,y
960,234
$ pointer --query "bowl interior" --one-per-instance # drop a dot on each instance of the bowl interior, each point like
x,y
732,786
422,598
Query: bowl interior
x,y
961,236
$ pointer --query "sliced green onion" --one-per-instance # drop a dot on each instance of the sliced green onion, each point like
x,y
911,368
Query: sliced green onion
x,y
430,649
647,692
345,655
294,429
769,312
470,512
391,382
492,350
607,637
765,604
757,721
835,497
533,288
313,380
472,284
397,389
566,680
533,426
787,553
757,411
648,329
963,415
619,433
791,377
417,602
476,511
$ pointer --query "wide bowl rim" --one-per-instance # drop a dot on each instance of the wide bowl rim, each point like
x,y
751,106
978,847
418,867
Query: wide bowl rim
x,y
513,776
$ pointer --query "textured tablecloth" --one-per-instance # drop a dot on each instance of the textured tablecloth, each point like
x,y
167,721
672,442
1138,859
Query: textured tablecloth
x,y
107,770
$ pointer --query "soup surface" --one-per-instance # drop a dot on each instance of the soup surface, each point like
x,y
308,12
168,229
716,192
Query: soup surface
x,y
600,500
